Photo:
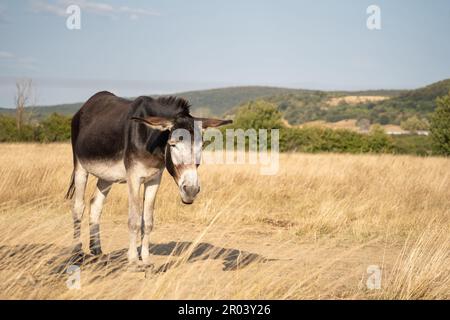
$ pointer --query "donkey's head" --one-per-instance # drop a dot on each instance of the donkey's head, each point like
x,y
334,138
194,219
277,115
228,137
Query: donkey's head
x,y
183,149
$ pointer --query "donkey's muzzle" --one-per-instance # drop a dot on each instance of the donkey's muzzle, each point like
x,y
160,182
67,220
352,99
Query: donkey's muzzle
x,y
188,193
191,191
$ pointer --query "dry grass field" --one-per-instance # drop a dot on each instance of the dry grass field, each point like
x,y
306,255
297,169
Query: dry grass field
x,y
350,124
333,102
309,232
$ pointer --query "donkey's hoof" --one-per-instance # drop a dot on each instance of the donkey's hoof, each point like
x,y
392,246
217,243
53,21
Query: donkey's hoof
x,y
77,249
146,260
76,256
96,251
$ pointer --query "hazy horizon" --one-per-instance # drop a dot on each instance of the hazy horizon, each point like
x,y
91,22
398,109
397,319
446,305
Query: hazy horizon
x,y
74,91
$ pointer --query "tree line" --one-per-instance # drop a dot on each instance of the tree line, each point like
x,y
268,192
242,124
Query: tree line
x,y
54,128
263,114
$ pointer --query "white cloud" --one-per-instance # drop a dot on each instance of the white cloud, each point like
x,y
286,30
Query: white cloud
x,y
98,8
41,6
6,55
143,12
10,59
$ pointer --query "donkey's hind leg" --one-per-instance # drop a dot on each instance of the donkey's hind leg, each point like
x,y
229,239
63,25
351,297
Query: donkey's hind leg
x,y
80,176
97,201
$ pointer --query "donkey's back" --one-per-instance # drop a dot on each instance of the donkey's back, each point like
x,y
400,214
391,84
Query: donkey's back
x,y
98,128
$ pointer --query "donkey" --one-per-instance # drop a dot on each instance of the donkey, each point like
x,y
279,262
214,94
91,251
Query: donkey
x,y
124,141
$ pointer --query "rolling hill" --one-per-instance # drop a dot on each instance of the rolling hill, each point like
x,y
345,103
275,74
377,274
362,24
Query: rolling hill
x,y
300,105
41,112
394,107
204,102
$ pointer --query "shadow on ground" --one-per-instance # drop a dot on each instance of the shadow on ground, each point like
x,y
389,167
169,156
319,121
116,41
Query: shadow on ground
x,y
54,260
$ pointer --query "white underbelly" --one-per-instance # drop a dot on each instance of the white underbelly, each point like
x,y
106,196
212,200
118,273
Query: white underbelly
x,y
107,170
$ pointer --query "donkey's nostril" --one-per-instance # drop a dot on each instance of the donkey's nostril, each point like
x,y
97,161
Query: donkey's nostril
x,y
191,190
195,190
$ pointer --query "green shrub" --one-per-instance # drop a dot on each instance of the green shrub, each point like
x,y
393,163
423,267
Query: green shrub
x,y
10,133
414,124
55,128
319,139
258,115
412,144
378,141
440,126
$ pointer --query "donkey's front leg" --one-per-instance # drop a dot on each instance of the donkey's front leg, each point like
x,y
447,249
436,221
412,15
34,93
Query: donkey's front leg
x,y
151,188
134,215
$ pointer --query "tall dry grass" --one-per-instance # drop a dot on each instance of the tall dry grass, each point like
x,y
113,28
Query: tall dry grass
x,y
310,231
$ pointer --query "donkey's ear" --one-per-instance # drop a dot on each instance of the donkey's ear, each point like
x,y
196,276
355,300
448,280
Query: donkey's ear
x,y
158,123
212,123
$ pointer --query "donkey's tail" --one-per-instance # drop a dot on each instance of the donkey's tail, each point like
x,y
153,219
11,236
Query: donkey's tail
x,y
71,190
74,130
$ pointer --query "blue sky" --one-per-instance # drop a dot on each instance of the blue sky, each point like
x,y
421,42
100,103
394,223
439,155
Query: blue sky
x,y
147,47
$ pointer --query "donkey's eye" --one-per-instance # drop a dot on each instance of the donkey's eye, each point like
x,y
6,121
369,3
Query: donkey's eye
x,y
174,141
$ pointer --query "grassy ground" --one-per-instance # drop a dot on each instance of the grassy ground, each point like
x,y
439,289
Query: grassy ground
x,y
311,231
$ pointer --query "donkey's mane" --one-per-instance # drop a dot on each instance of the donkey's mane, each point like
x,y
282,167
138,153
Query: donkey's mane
x,y
179,105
